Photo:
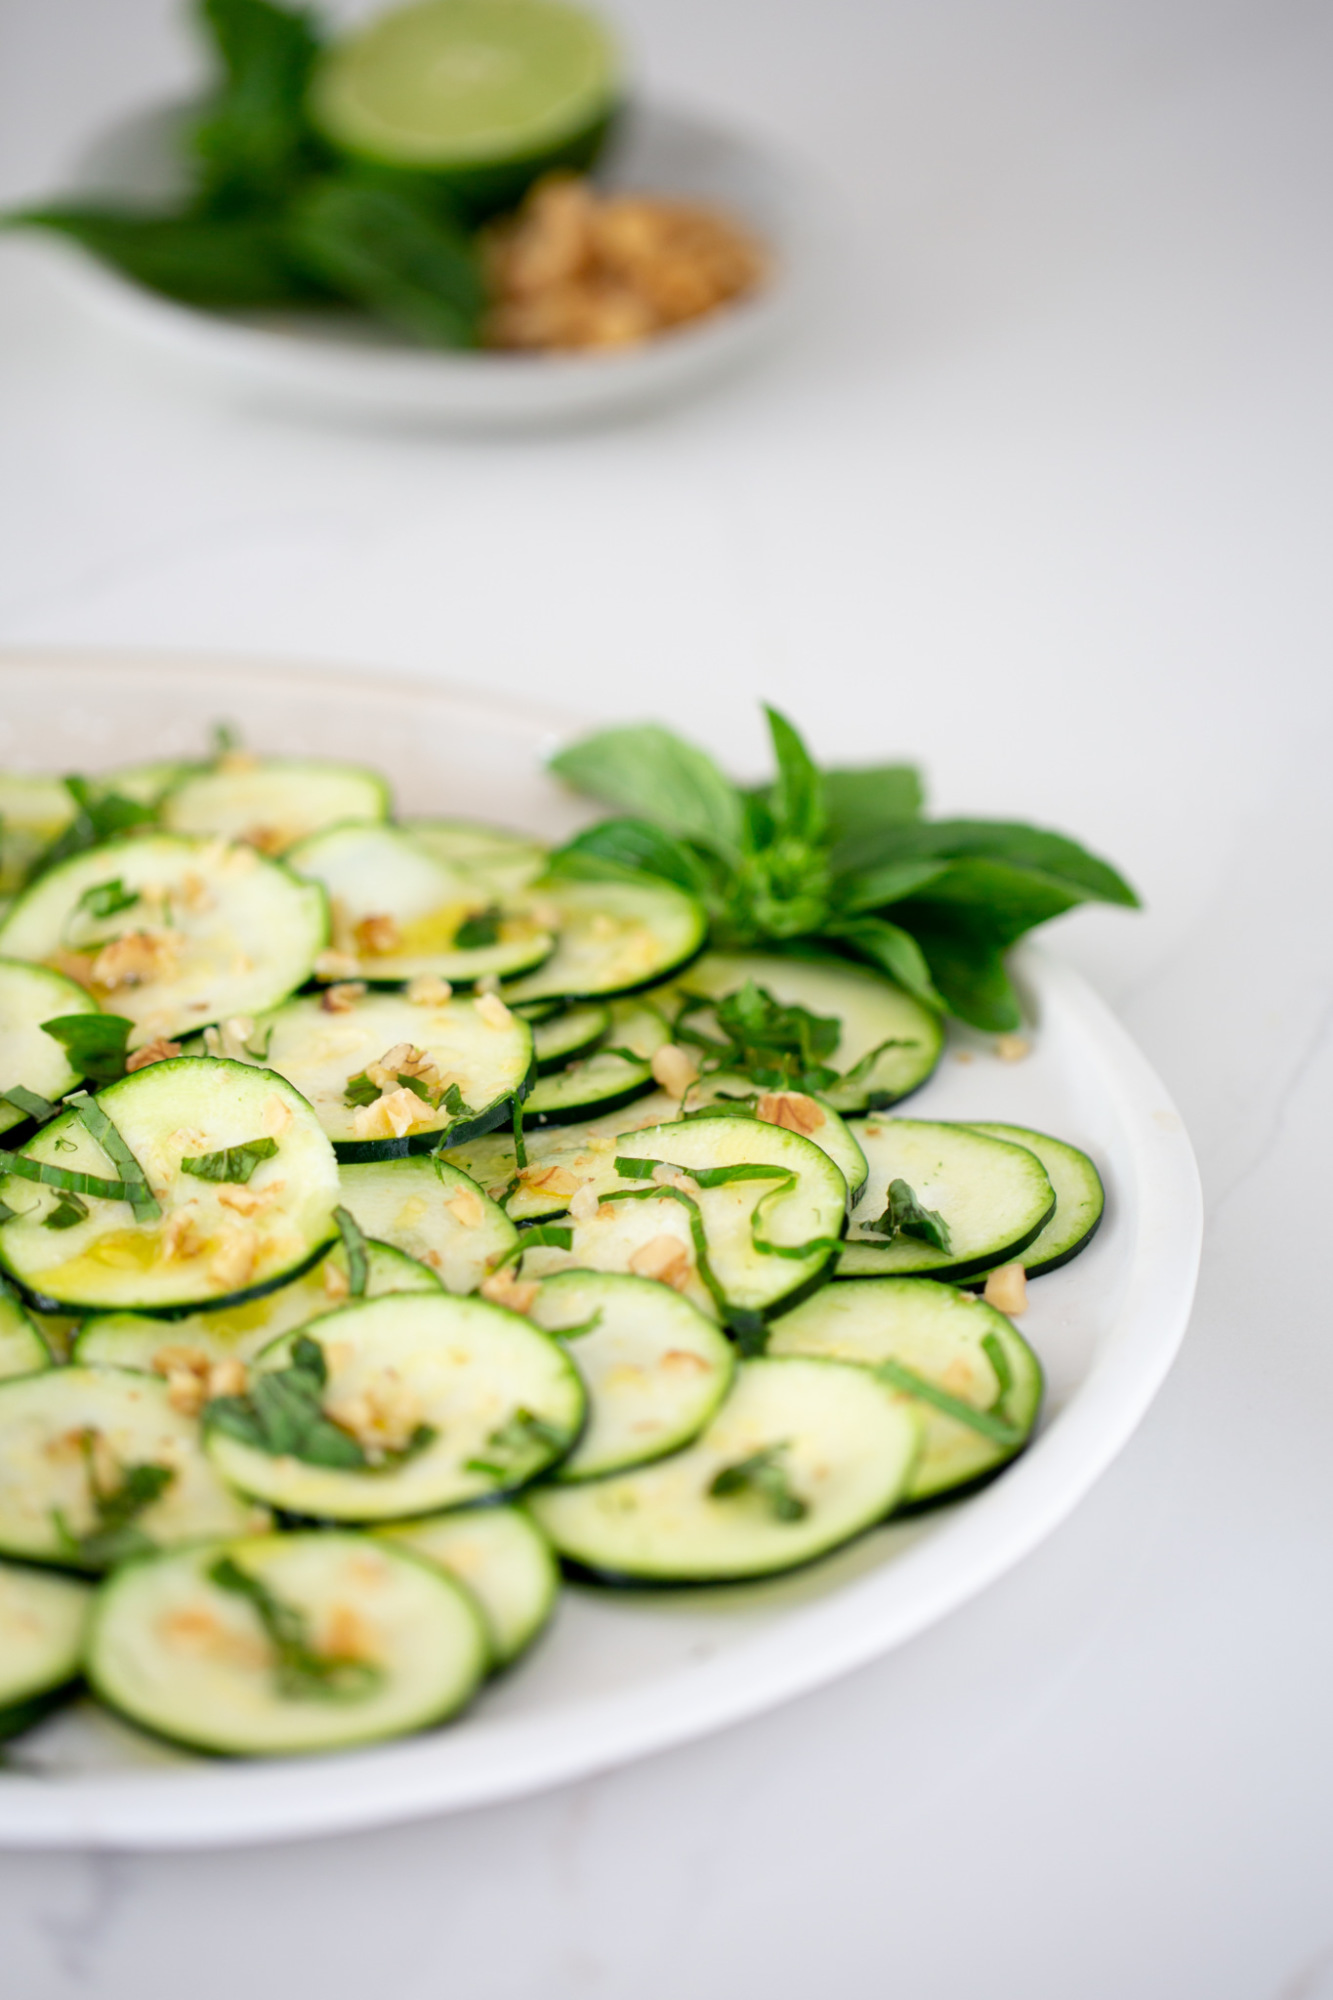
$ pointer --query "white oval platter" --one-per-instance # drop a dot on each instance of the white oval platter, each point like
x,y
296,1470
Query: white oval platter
x,y
620,1674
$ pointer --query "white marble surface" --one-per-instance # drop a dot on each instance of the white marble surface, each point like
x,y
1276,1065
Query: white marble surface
x,y
1040,494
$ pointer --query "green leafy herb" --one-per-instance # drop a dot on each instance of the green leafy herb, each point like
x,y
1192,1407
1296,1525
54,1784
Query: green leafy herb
x,y
360,1090
107,899
780,1048
475,932
537,1235
416,1086
764,1476
984,1422
30,1103
993,1349
99,815
513,1446
302,1673
234,1164
520,1146
354,1244
393,254
116,1508
94,1120
70,1208
254,140
840,862
905,1216
282,1414
69,1180
224,738
94,1043
577,1331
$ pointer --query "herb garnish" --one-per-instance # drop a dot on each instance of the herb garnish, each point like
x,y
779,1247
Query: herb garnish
x,y
986,1423
302,1673
765,1476
99,815
905,1216
107,899
94,1043
282,1414
116,1510
475,932
840,861
514,1443
30,1103
94,1120
69,1210
354,1245
234,1164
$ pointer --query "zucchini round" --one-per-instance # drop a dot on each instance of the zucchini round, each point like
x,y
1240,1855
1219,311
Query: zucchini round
x,y
502,1557
503,862
607,1079
1080,1198
22,1349
272,802
33,810
993,1197
569,1033
43,1624
614,937
802,1456
356,1640
29,1057
433,1211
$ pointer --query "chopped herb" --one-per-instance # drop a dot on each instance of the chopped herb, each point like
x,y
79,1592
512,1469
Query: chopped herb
x,y
779,1047
29,1103
984,1422
576,1332
234,1164
302,1673
709,1177
537,1235
282,1414
417,1087
476,932
116,1510
70,1208
993,1349
99,815
515,1442
70,1180
225,737
360,1090
520,1147
451,1100
905,1216
107,899
94,1119
764,1476
354,1243
94,1043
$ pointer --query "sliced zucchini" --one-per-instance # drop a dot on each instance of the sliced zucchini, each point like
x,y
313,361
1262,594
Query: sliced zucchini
x,y
283,1644
133,1340
194,932
502,1557
448,1399
993,1197
985,1379
272,802
502,861
433,1212
654,1368
31,1060
43,1625
458,1066
802,1455
1080,1197
96,1465
569,1033
609,1078
872,1010
183,1235
738,1244
22,1349
32,812
148,784
401,913
614,937
813,1117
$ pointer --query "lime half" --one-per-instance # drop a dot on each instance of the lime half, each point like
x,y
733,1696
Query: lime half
x,y
475,96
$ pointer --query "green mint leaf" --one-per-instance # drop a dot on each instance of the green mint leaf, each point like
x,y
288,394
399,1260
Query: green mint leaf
x,y
199,260
107,899
354,1244
94,1043
360,1090
637,847
253,140
968,970
475,933
70,1209
797,800
416,1086
69,1180
984,1422
302,1673
394,255
234,1164
905,1216
764,1477
548,1235
777,1047
522,1439
30,1103
869,799
649,771
889,882
889,948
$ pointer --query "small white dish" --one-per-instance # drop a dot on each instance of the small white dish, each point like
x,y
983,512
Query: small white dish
x,y
621,1674
330,362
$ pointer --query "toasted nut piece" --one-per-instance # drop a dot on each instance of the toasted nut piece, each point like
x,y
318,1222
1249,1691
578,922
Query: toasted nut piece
x,y
492,1010
341,999
390,1116
1012,1048
136,960
277,1116
665,1258
550,1180
186,1392
333,964
673,1070
466,1209
502,1288
337,1284
428,991
378,935
585,1203
153,1052
1007,1289
227,1377
791,1109
235,1257
180,1235
174,1358
236,1035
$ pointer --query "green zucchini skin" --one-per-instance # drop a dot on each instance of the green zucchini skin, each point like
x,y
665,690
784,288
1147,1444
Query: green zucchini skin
x,y
502,1558
571,1033
609,1078
963,1176
281,799
30,995
665,930
43,1632
1080,1197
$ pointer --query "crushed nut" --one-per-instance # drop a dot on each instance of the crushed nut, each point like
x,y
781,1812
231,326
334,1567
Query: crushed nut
x,y
336,965
684,1359
341,999
347,1635
554,1180
381,1416
664,1258
154,1052
228,1377
467,1209
1012,1048
585,1203
492,1010
1007,1289
792,1110
502,1288
136,960
180,1235
76,965
390,1116
186,1392
235,1036
234,1259
337,1284
673,1069
268,839
277,1116
248,1201
378,935
193,1628
194,894
426,990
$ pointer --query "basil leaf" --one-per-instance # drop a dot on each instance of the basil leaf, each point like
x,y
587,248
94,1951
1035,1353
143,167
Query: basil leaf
x,y
905,1216
107,899
798,797
360,1090
70,1180
891,949
872,888
870,797
69,1210
302,1673
94,1120
551,1235
116,1508
394,256
354,1243
764,1476
474,933
968,970
210,261
513,1445
234,1164
640,848
30,1103
253,140
94,1043
984,1422
648,770
993,1349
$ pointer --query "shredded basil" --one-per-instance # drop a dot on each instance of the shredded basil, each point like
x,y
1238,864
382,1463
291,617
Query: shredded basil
x,y
94,1043
302,1673
905,1216
94,1119
984,1422
764,1476
234,1164
514,1444
354,1243
282,1414
115,1534
29,1103
476,932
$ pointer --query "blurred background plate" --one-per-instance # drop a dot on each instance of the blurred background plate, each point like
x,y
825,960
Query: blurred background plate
x,y
621,1674
332,361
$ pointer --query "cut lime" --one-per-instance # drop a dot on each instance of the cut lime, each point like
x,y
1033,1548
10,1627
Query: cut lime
x,y
473,97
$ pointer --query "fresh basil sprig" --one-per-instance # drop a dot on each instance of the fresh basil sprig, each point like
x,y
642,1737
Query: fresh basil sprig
x,y
836,863
117,1505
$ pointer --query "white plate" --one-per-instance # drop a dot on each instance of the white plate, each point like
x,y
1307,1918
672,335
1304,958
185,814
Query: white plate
x,y
619,1675
341,361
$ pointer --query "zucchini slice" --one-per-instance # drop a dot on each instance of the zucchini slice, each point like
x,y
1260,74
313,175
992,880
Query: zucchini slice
x,y
994,1198
195,931
433,1212
503,862
148,784
569,1033
449,1399
458,1066
654,1368
30,1059
96,1465
872,1010
609,1077
614,937
22,1349
283,1644
985,1379
43,1625
1080,1198
738,1244
272,802
813,1117
400,913
133,1340
802,1456
502,1557
184,1235
32,812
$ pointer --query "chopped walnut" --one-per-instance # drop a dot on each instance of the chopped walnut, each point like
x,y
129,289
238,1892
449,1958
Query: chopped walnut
x,y
492,1010
136,960
378,935
235,1035
791,1109
180,1235
234,1259
683,1360
673,1069
390,1116
277,1116
337,1284
333,964
76,965
341,999
1007,1289
154,1052
227,1377
466,1209
268,839
554,1179
665,1258
1012,1048
249,1201
382,1415
194,1628
428,991
585,1203
502,1288
193,894
347,1635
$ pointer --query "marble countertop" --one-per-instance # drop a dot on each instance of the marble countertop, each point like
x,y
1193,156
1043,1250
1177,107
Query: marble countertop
x,y
1039,494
